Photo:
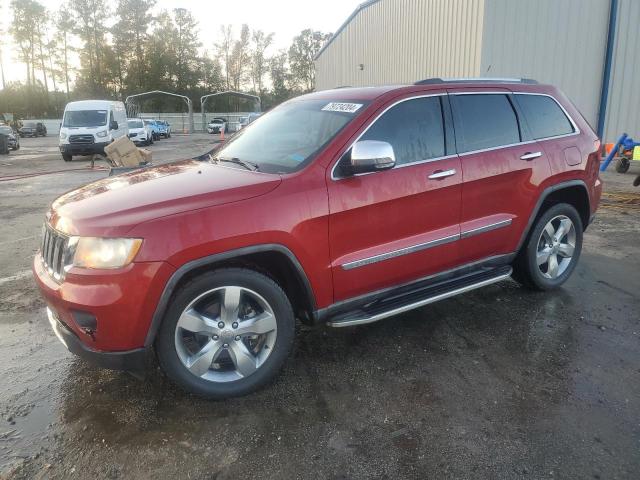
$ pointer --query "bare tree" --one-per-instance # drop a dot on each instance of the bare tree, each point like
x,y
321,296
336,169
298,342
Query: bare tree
x,y
64,26
240,59
224,51
259,63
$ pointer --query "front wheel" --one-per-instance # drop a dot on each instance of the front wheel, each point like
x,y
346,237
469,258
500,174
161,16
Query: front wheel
x,y
226,333
66,157
552,250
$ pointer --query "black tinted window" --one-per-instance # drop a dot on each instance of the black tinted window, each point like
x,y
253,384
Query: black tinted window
x,y
484,121
544,116
414,128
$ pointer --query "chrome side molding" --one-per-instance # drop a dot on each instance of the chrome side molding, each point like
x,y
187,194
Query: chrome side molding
x,y
423,246
400,252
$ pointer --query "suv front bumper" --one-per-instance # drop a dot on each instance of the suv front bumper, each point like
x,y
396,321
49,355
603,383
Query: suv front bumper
x,y
131,360
83,148
104,316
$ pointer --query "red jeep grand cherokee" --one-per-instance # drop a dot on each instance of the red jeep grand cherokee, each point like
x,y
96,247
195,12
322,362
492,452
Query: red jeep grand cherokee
x,y
340,207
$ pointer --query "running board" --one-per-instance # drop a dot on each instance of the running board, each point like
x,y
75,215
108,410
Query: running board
x,y
388,307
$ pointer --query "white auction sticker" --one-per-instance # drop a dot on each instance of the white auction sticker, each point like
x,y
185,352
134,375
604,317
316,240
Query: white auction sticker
x,y
342,107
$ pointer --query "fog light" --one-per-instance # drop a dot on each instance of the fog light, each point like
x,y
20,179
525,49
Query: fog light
x,y
87,322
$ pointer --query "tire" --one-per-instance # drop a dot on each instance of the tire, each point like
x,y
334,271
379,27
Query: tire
x,y
622,165
540,245
66,157
218,376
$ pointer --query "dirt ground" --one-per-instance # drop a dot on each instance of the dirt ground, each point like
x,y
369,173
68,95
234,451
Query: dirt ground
x,y
499,383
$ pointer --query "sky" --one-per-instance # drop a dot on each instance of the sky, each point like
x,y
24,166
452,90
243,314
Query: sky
x,y
285,18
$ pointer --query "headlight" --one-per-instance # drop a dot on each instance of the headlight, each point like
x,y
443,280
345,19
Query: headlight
x,y
101,134
103,253
63,135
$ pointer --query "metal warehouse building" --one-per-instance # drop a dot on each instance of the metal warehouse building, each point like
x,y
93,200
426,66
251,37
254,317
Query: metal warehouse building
x,y
588,48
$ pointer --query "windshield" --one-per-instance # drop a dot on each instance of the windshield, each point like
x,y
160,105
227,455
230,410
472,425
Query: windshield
x,y
85,118
286,138
135,124
6,130
30,125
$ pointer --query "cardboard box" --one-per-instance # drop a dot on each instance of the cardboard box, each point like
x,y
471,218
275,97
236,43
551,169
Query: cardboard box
x,y
146,154
123,153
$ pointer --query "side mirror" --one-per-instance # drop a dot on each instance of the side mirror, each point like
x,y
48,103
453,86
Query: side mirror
x,y
371,156
113,125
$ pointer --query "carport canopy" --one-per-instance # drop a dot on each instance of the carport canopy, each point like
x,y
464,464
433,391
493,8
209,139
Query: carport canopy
x,y
247,96
129,100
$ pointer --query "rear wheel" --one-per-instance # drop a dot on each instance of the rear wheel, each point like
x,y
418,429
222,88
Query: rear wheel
x,y
226,333
66,157
552,250
622,165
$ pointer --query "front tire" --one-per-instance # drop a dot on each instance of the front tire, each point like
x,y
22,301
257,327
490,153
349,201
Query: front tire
x,y
226,333
552,250
66,157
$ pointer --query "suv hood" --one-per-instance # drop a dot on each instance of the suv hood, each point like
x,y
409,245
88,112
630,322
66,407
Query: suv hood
x,y
115,205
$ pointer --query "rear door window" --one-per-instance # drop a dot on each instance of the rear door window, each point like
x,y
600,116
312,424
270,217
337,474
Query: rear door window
x,y
414,128
484,121
544,116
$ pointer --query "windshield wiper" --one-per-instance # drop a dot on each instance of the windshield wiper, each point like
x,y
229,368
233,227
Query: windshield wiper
x,y
243,163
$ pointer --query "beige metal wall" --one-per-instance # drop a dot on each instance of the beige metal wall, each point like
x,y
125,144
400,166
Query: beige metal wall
x,y
623,108
557,42
401,41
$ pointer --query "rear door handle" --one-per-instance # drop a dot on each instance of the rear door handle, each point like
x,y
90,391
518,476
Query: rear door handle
x,y
530,155
440,174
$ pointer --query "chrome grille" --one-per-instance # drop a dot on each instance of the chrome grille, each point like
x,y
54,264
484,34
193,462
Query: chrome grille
x,y
53,248
80,138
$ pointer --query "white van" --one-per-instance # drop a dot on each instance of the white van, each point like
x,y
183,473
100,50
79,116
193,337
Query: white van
x,y
89,125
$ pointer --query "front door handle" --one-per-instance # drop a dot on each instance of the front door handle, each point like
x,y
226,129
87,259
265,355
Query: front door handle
x,y
530,155
440,174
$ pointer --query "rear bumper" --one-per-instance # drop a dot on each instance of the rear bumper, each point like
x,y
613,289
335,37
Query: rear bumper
x,y
131,360
83,148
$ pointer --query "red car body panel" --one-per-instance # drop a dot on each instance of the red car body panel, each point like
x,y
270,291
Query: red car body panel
x,y
122,300
191,210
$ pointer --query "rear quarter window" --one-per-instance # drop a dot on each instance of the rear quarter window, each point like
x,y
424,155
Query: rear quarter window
x,y
544,116
484,121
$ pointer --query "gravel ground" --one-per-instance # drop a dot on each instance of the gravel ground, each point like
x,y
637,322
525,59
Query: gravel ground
x,y
498,383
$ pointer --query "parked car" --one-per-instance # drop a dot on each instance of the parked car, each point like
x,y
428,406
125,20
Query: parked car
x,y
167,128
90,125
162,129
32,129
154,127
341,207
13,138
245,121
217,125
139,133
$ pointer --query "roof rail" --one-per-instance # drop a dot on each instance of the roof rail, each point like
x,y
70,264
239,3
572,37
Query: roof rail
x,y
436,80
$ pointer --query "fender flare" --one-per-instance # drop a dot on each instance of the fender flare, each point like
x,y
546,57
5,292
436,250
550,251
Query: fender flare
x,y
175,278
543,196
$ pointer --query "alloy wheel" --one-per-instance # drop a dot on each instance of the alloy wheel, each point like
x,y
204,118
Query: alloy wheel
x,y
556,246
225,334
